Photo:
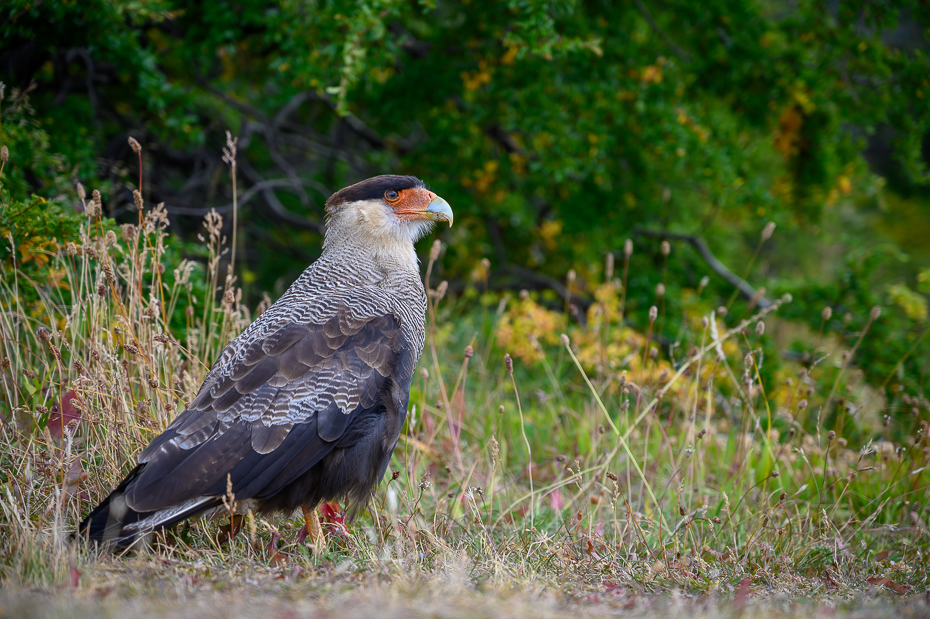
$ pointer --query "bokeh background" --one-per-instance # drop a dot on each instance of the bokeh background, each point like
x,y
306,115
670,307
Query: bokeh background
x,y
556,130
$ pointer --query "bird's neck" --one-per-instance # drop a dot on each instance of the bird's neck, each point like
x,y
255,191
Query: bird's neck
x,y
378,256
361,235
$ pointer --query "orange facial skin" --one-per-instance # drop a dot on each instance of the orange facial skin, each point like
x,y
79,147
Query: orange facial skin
x,y
410,204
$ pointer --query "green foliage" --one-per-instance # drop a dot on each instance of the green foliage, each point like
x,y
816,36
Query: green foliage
x,y
32,232
555,129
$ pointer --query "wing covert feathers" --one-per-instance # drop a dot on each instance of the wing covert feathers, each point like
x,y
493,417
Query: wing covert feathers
x,y
249,407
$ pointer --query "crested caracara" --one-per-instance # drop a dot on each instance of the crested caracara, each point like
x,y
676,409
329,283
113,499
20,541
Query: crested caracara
x,y
307,404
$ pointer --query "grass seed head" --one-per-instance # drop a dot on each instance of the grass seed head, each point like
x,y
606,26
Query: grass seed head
x,y
134,145
4,153
441,290
768,231
95,206
129,232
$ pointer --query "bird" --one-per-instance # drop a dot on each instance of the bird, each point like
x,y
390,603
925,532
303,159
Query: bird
x,y
307,404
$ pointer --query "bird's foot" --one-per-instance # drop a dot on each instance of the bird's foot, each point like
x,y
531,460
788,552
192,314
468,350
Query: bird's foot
x,y
313,530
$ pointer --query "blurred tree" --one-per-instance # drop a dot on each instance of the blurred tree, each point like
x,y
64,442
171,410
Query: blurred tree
x,y
553,128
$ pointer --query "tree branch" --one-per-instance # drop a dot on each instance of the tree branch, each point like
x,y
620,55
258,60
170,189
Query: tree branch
x,y
715,265
682,55
278,210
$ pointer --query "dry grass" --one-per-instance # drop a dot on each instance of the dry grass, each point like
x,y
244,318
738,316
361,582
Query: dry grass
x,y
591,473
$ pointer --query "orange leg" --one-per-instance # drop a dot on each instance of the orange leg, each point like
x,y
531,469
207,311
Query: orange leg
x,y
314,529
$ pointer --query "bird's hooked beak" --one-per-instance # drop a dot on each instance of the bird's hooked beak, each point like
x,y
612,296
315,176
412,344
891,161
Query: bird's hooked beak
x,y
438,210
422,204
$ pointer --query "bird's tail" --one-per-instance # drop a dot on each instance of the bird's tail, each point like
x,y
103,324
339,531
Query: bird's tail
x,y
115,525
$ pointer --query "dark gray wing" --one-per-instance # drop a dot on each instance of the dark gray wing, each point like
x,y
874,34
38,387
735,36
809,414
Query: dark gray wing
x,y
275,410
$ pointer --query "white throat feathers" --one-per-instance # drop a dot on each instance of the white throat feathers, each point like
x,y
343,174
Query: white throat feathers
x,y
369,227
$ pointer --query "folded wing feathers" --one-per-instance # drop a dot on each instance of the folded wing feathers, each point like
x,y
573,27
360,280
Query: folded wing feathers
x,y
292,373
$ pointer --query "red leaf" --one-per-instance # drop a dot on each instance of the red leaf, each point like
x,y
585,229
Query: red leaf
x,y
63,417
880,581
742,593
75,576
555,500
273,544
332,513
613,587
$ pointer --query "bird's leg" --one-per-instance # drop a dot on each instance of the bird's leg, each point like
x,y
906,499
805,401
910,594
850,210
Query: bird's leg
x,y
313,528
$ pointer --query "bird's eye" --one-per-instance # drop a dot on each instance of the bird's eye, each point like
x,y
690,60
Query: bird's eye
x,y
391,195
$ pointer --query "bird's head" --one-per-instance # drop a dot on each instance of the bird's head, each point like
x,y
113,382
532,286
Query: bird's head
x,y
387,209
